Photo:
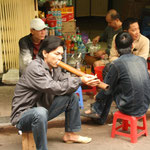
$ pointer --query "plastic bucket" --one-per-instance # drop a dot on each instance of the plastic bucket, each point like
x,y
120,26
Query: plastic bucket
x,y
99,70
51,23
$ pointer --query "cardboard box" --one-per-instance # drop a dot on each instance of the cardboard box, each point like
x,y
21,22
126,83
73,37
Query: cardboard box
x,y
67,17
67,13
69,27
64,10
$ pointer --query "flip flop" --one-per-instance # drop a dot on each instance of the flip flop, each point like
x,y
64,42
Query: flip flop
x,y
81,139
93,114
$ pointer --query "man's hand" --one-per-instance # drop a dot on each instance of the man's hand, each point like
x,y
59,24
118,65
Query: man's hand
x,y
90,80
96,40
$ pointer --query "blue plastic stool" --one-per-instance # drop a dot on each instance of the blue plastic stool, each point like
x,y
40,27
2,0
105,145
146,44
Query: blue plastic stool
x,y
79,93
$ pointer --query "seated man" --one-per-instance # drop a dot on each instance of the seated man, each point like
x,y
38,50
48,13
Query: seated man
x,y
114,27
129,83
29,44
44,91
140,46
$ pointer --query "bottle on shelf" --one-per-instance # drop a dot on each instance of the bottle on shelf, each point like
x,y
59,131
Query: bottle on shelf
x,y
75,47
77,31
68,43
51,31
78,61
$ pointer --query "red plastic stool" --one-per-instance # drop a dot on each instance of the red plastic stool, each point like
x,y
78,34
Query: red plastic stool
x,y
99,71
90,89
133,126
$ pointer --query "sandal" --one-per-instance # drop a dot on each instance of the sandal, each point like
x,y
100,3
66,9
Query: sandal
x,y
81,139
92,114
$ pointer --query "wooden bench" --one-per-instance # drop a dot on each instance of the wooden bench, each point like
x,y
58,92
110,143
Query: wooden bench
x,y
27,141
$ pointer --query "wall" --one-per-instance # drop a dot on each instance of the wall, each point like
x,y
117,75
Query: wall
x,y
130,8
85,8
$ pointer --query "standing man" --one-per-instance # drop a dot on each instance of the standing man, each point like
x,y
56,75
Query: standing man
x,y
129,82
114,27
29,45
44,91
140,46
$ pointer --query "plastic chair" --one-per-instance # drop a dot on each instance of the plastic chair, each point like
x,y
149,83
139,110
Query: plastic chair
x,y
79,93
133,135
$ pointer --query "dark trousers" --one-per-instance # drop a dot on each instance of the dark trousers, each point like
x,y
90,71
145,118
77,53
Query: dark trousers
x,y
102,107
35,119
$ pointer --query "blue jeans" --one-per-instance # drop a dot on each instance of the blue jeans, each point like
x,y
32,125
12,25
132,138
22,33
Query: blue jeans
x,y
35,119
102,107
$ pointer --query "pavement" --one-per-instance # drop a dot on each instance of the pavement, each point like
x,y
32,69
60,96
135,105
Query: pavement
x,y
101,134
101,139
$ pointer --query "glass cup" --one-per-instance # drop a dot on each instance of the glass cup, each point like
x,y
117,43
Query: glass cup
x,y
82,68
88,69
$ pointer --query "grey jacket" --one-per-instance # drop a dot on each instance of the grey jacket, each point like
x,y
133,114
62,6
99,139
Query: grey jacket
x,y
107,36
38,87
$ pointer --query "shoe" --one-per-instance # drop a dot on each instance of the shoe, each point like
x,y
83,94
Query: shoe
x,y
81,139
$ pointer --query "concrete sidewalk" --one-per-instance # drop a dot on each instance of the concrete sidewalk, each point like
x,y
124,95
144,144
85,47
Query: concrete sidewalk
x,y
101,139
10,140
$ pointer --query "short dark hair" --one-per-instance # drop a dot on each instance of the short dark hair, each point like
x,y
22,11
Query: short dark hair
x,y
50,43
116,16
123,43
113,14
127,22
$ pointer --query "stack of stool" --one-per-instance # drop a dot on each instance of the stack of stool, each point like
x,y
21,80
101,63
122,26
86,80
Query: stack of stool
x,y
133,135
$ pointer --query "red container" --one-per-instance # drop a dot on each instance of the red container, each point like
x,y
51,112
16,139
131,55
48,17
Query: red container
x,y
148,63
98,70
51,23
44,19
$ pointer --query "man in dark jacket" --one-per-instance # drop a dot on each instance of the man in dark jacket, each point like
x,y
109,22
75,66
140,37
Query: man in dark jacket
x,y
44,91
129,82
29,45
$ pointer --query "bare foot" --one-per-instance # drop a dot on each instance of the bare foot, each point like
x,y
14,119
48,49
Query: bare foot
x,y
89,111
71,137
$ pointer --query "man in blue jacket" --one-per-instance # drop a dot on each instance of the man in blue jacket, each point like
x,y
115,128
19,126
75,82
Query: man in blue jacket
x,y
129,82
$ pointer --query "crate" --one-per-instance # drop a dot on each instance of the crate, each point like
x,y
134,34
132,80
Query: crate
x,y
69,27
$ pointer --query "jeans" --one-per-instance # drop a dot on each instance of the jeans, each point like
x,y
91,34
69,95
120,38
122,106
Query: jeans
x,y
35,119
102,107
